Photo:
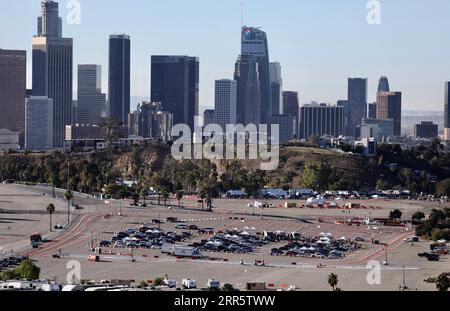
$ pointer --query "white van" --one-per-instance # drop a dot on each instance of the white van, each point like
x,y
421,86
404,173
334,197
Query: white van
x,y
213,284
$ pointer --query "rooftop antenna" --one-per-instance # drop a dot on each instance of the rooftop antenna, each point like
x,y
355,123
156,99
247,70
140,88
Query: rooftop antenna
x,y
242,13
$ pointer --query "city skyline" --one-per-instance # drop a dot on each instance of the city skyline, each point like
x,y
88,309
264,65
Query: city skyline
x,y
307,49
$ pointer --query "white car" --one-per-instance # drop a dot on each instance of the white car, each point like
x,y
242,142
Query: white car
x,y
189,284
181,226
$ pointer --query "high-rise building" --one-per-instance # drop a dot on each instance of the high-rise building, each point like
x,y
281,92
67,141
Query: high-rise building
x,y
49,24
13,91
133,123
148,126
383,85
119,78
447,112
246,75
53,72
164,120
91,103
357,104
389,106
225,103
276,83
39,123
175,84
426,129
291,108
286,127
372,111
321,119
254,43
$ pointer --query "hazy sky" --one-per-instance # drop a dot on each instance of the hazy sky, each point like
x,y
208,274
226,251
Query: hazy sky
x,y
318,42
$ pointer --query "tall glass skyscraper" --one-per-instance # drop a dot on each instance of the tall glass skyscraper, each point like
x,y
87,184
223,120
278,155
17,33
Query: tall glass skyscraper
x,y
225,103
357,104
52,69
254,43
175,84
248,90
119,78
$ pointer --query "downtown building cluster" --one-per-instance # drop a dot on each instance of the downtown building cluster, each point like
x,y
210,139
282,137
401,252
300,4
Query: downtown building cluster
x,y
46,117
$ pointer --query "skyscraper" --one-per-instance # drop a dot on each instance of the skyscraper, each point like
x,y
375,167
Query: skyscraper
x,y
254,43
276,83
52,71
119,78
225,103
175,84
39,123
13,90
357,103
49,24
91,103
208,117
447,112
291,108
246,75
389,106
383,85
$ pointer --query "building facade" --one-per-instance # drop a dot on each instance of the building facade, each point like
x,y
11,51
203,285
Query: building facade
x,y
380,128
291,108
357,104
276,83
426,129
13,91
49,24
175,84
225,107
383,85
389,106
39,123
321,119
91,102
246,75
119,78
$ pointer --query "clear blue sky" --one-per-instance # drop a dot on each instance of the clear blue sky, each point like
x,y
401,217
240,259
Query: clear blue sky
x,y
318,42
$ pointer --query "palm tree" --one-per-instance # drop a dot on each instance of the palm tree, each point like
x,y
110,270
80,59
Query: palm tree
x,y
333,280
50,210
68,196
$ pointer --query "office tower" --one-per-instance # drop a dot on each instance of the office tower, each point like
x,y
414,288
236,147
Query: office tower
x,y
426,129
13,91
447,112
357,104
347,116
49,24
383,85
321,119
175,84
389,106
119,78
248,91
52,74
291,108
208,117
225,103
276,84
372,111
39,123
91,103
254,43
